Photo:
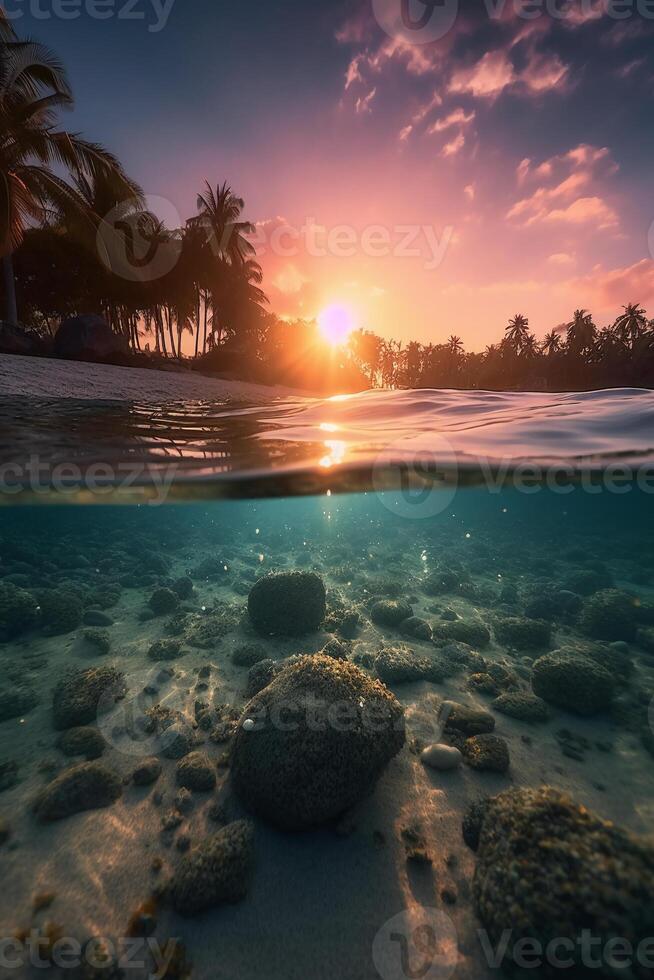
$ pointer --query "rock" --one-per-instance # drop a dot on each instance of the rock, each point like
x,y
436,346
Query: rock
x,y
260,675
335,649
441,757
94,617
475,634
183,587
523,706
287,603
76,697
416,628
340,731
572,681
468,721
18,611
473,821
163,601
5,831
87,786
248,654
587,581
17,700
176,740
163,650
82,741
61,612
97,641
88,337
396,665
523,633
610,615
196,772
147,771
554,605
548,869
645,639
8,774
218,870
487,753
390,612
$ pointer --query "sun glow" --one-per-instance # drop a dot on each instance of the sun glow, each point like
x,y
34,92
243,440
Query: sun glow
x,y
336,323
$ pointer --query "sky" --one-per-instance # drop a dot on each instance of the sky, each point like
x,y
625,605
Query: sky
x,y
434,168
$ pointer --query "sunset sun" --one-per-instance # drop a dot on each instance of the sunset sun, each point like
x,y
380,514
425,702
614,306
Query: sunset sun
x,y
336,323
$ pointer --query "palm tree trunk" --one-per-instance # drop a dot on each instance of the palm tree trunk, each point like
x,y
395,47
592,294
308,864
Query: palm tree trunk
x,y
11,307
197,321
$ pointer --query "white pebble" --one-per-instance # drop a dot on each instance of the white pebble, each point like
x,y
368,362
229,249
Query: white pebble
x,y
442,757
248,724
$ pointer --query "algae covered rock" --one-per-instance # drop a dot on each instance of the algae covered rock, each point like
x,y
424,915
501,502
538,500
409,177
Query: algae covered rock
x,y
163,601
162,650
76,697
522,705
87,786
217,871
18,611
418,629
147,771
523,633
468,721
196,772
260,675
248,654
487,753
610,615
84,741
573,681
390,612
550,870
61,612
472,632
314,742
397,665
16,700
287,603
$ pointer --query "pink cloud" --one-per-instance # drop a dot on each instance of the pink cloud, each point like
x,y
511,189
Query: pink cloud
x,y
487,79
584,210
612,288
452,148
458,117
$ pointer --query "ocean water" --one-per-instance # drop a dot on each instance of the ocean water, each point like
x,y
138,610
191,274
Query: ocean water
x,y
354,688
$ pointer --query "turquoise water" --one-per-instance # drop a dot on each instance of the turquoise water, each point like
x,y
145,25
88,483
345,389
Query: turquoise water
x,y
252,776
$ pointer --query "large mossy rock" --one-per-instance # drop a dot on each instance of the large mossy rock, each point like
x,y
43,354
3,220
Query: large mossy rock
x,y
217,871
573,682
610,615
548,869
323,733
18,611
287,603
87,786
78,694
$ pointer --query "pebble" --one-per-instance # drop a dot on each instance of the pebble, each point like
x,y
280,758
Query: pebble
x,y
441,757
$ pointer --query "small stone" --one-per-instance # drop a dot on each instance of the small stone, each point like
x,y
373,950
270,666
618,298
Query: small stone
x,y
441,757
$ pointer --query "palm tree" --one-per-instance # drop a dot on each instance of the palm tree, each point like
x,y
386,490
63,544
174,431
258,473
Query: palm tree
x,y
220,216
551,343
581,332
632,324
517,333
33,88
455,345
